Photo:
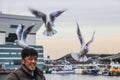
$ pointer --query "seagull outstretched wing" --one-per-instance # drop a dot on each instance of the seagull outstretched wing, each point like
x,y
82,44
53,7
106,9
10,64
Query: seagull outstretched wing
x,y
80,35
55,14
25,32
87,44
19,31
39,14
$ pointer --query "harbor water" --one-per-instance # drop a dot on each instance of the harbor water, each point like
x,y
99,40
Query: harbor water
x,y
72,77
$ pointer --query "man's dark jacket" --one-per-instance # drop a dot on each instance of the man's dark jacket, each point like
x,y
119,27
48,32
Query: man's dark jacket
x,y
23,74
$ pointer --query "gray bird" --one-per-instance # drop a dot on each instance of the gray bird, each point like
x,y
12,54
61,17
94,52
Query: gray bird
x,y
81,56
49,24
22,35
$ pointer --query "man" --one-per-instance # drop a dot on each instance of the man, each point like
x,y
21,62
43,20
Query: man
x,y
28,69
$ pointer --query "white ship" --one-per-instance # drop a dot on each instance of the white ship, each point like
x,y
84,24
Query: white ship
x,y
61,69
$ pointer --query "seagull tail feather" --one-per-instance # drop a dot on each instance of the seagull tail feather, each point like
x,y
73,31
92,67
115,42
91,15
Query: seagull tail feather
x,y
49,33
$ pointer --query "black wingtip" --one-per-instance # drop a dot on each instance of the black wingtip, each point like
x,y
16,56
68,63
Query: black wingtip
x,y
77,26
33,11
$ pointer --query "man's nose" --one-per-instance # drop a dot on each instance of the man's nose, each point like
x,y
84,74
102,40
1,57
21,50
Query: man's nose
x,y
33,60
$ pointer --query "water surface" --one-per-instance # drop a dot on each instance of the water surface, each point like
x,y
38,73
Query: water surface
x,y
73,77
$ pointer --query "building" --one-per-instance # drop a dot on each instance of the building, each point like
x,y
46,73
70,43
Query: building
x,y
10,56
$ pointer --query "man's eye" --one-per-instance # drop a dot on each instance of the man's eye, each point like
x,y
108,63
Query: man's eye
x,y
30,58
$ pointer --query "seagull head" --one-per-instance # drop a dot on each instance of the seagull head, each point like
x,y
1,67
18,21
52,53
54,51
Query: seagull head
x,y
86,49
49,27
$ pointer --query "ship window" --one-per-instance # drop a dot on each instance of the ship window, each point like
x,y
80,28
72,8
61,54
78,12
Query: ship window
x,y
17,62
13,26
11,37
19,53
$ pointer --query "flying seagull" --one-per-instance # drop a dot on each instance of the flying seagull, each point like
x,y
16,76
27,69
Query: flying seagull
x,y
81,56
22,35
49,24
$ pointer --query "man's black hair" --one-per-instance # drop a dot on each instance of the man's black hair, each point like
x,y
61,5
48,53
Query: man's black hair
x,y
29,52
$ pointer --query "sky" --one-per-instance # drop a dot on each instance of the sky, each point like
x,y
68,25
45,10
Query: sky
x,y
103,16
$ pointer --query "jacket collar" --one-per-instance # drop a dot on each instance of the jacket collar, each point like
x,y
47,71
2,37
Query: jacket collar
x,y
26,70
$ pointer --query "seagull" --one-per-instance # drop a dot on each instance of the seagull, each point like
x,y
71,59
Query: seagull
x,y
49,24
22,35
81,56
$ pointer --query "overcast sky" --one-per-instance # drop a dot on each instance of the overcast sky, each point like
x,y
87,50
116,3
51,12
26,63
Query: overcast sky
x,y
100,15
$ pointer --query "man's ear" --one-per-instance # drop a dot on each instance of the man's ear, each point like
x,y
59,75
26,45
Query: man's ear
x,y
22,61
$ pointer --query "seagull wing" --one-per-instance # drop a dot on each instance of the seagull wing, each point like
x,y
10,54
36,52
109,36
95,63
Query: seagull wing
x,y
87,44
25,32
39,14
80,35
55,14
19,31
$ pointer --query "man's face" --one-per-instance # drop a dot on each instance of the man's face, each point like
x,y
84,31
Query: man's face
x,y
30,62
